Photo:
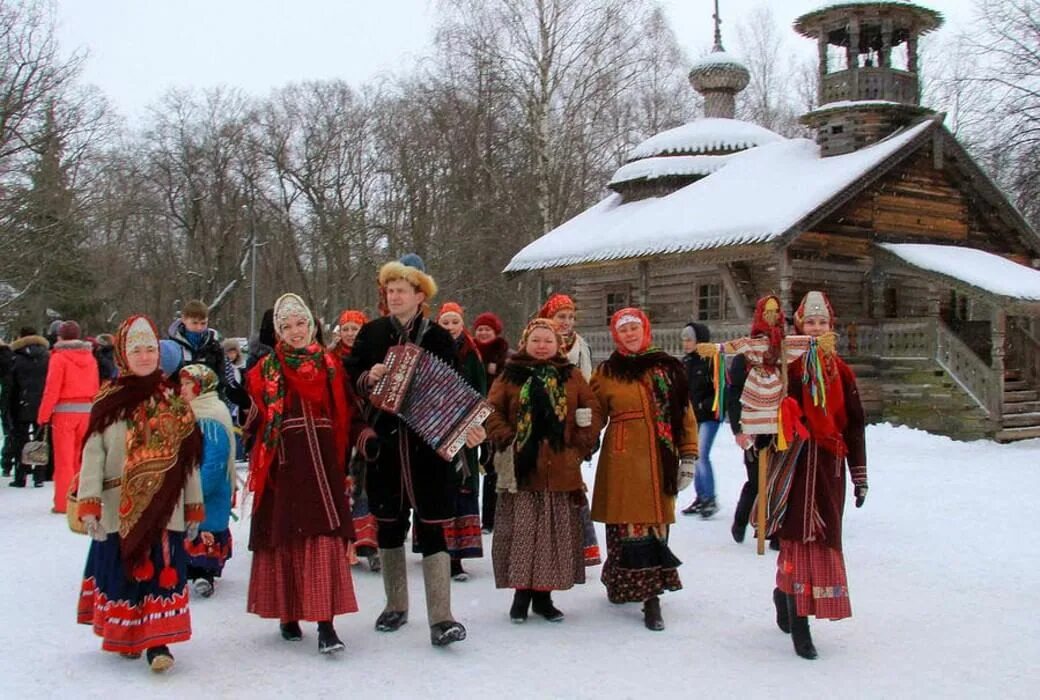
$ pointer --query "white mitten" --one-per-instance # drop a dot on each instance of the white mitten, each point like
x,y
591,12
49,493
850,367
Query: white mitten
x,y
687,467
583,417
94,528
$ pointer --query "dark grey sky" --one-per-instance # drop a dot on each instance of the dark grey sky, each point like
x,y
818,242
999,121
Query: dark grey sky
x,y
140,48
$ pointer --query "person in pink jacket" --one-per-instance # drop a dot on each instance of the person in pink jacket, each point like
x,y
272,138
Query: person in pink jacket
x,y
72,382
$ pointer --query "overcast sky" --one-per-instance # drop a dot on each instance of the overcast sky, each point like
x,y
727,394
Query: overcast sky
x,y
138,48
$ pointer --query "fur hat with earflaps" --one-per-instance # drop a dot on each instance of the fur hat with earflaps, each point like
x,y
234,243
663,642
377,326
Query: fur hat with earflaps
x,y
412,269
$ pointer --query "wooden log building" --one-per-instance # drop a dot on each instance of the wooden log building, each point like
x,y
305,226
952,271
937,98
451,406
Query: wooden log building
x,y
931,270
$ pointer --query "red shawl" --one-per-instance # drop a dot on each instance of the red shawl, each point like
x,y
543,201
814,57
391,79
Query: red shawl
x,y
311,374
827,423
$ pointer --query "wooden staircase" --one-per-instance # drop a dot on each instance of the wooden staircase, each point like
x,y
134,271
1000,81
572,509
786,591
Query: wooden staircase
x,y
1021,420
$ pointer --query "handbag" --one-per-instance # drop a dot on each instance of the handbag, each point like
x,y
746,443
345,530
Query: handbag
x,y
37,453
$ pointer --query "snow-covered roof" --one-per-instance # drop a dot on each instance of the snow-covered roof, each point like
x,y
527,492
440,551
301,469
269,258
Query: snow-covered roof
x,y
758,196
667,166
980,269
716,58
927,18
707,134
853,104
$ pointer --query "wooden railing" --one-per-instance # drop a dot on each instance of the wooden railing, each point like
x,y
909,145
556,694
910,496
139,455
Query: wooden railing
x,y
1023,353
977,378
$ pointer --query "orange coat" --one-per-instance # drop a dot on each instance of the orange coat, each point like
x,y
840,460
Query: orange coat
x,y
556,471
629,480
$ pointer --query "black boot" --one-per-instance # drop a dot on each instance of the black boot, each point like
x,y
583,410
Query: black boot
x,y
738,532
159,659
780,602
541,604
521,601
457,572
652,614
800,636
708,508
291,631
448,632
328,641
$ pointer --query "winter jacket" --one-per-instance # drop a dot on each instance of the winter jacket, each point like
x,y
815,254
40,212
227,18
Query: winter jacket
x,y
629,481
702,386
106,363
6,358
216,482
28,377
72,380
209,353
555,471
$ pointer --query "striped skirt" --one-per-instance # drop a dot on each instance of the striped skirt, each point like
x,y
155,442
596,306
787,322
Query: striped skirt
x,y
306,580
815,575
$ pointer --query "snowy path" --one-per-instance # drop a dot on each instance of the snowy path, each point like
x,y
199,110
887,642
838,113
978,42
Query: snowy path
x,y
945,582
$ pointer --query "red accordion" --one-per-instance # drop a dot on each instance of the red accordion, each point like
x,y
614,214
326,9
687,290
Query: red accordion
x,y
431,397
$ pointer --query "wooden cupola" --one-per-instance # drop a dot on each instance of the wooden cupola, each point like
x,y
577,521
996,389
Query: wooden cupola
x,y
869,85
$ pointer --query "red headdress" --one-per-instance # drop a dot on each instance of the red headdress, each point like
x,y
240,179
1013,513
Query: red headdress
x,y
775,333
352,316
450,307
814,303
490,320
630,315
555,304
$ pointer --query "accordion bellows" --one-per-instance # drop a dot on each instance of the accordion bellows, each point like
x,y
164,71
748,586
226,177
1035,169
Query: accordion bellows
x,y
431,397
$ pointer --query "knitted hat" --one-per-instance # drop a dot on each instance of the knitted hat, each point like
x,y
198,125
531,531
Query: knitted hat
x,y
625,316
411,269
287,306
352,316
490,320
450,308
814,303
68,330
697,332
555,304
171,356
105,340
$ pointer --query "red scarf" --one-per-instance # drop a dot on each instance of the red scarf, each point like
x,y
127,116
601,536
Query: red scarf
x,y
313,375
826,427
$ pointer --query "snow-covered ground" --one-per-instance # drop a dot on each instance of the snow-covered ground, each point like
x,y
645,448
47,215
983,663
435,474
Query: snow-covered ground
x,y
943,569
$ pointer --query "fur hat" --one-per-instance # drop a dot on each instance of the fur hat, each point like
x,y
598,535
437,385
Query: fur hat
x,y
555,304
68,330
287,306
230,344
490,320
411,269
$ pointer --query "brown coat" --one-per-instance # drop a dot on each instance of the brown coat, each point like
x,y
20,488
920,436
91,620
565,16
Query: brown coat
x,y
629,480
556,471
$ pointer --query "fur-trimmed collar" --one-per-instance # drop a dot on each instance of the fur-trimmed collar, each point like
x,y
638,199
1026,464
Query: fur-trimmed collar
x,y
631,368
30,340
73,345
520,366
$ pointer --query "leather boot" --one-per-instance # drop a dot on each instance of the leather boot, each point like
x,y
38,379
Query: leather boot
x,y
800,636
328,641
395,584
444,630
652,614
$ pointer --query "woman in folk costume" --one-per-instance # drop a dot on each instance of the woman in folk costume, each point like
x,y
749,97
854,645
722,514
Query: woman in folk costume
x,y
494,351
462,534
648,455
807,494
548,419
301,520
139,498
365,543
560,309
211,548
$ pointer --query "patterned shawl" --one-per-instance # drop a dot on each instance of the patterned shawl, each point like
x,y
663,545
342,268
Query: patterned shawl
x,y
542,413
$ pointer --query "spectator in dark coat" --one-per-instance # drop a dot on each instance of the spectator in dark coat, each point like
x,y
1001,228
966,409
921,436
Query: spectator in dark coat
x,y
7,461
103,353
702,398
28,376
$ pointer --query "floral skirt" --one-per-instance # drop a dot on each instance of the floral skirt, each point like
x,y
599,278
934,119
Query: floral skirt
x,y
208,560
308,579
539,541
815,575
131,616
639,564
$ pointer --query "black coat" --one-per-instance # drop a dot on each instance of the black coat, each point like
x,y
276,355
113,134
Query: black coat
x,y
107,370
210,353
432,479
31,355
702,386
